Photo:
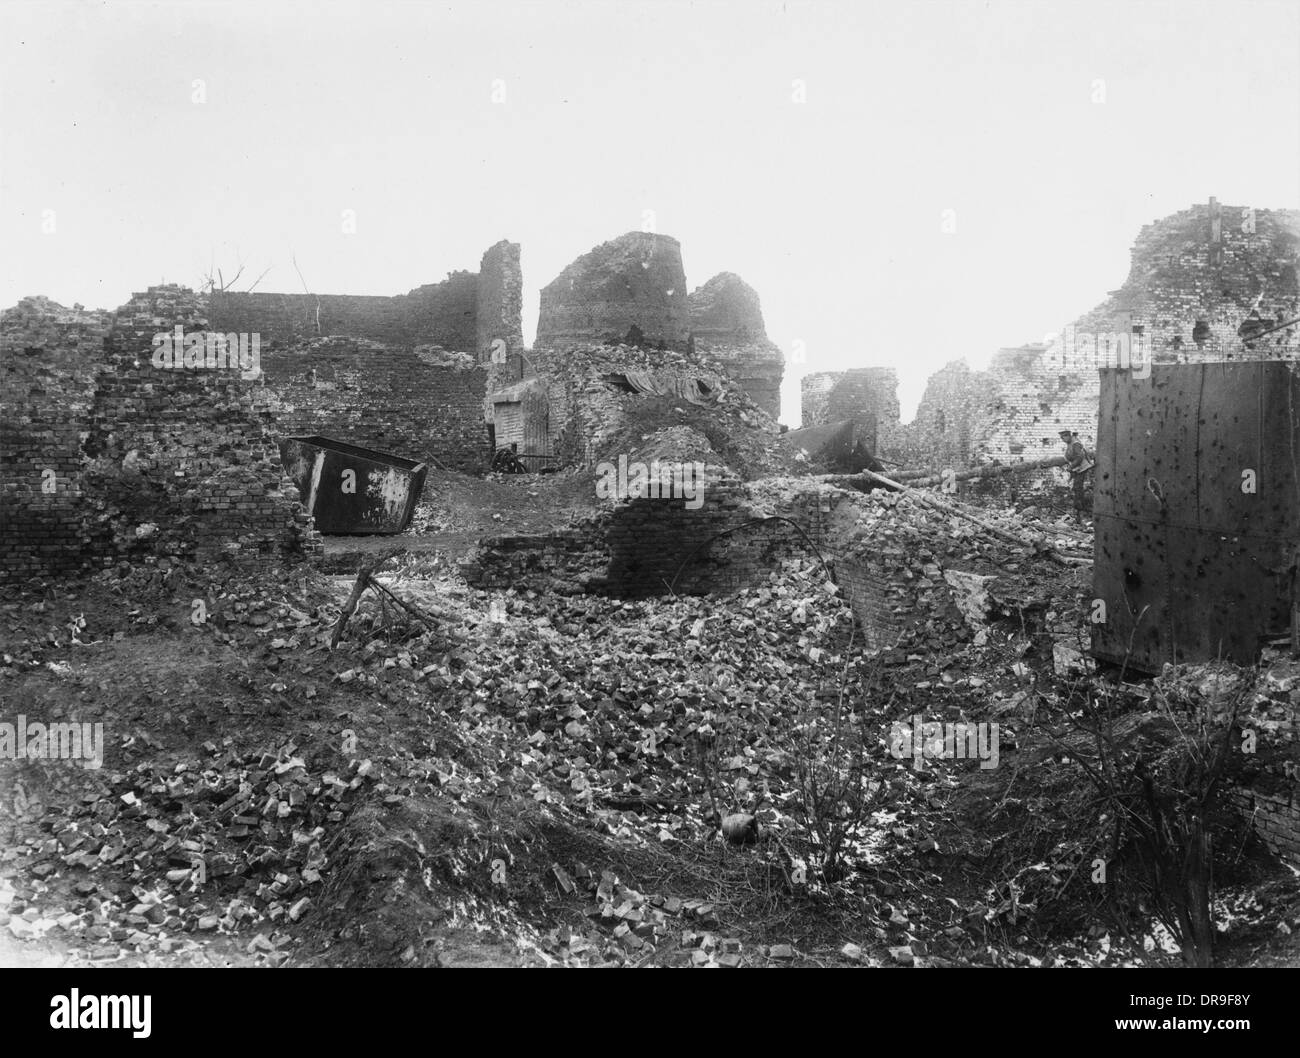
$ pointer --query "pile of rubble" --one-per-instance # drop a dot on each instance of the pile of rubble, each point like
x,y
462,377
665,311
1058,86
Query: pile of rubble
x,y
630,926
222,844
640,721
930,580
615,419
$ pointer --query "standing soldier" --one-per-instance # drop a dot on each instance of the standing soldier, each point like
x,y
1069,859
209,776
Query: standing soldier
x,y
1078,461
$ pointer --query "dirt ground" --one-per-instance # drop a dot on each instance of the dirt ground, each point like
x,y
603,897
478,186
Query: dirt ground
x,y
523,780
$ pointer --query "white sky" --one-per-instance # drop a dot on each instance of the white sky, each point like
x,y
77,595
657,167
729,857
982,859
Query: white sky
x,y
830,208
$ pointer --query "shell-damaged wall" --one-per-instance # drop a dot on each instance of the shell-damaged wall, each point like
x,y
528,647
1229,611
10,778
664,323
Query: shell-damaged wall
x,y
630,286
49,359
407,374
592,410
727,323
632,291
867,396
1204,284
104,455
468,312
423,403
1012,412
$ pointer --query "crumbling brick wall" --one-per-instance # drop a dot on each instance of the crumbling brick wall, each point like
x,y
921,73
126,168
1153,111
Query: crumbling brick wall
x,y
147,461
407,374
868,395
568,561
186,450
422,403
284,319
589,406
1200,281
438,313
727,324
814,393
753,551
890,558
498,311
49,357
638,548
1268,793
756,366
635,280
650,539
1275,818
466,312
1013,412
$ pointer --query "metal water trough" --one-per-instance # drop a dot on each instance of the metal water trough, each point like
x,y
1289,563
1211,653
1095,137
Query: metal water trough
x,y
379,495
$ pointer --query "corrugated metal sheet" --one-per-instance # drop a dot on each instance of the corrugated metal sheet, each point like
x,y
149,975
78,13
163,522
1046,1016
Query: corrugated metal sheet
x,y
536,423
1190,564
508,417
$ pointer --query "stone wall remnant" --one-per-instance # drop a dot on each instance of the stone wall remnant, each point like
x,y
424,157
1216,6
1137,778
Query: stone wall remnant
x,y
593,407
621,307
465,313
1012,412
409,374
1201,282
424,403
630,286
106,455
49,359
499,305
726,309
867,395
727,323
1204,284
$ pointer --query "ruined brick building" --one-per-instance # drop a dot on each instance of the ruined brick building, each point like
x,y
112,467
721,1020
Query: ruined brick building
x,y
407,373
727,324
1209,283
106,455
866,395
624,305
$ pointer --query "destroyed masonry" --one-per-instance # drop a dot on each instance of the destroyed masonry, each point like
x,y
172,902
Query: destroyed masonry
x,y
111,455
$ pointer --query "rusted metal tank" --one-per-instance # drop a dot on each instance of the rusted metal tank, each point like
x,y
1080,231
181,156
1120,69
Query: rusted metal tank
x,y
1197,511
349,489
